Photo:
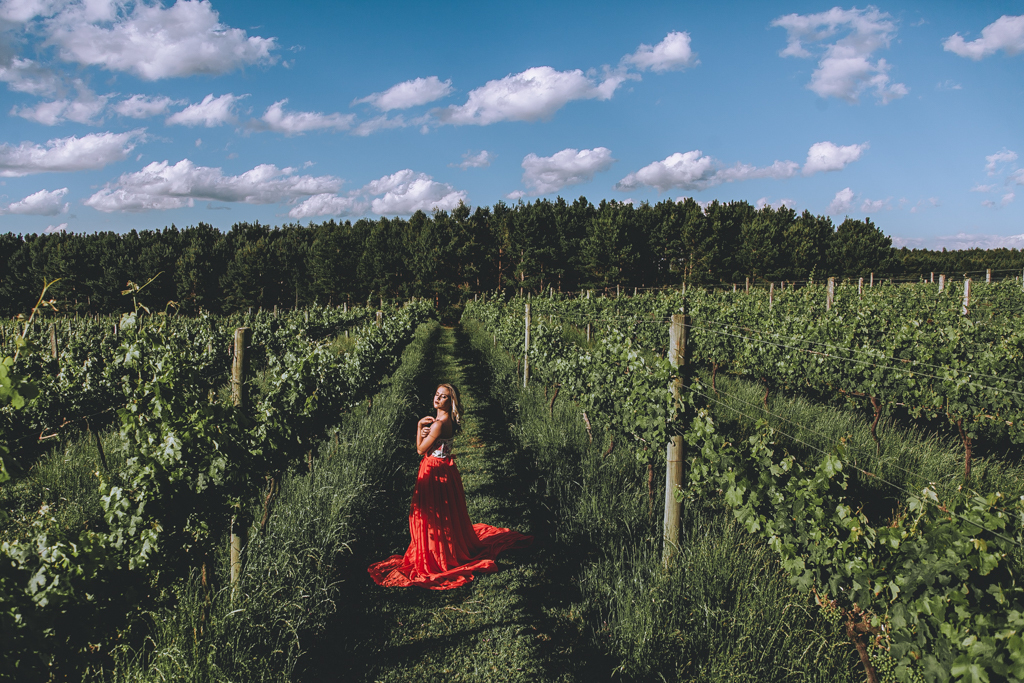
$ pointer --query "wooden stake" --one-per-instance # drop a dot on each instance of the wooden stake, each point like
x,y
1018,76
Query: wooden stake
x,y
674,454
830,294
942,282
588,333
53,341
240,398
747,288
771,295
932,281
526,349
380,318
988,275
860,287
966,310
871,282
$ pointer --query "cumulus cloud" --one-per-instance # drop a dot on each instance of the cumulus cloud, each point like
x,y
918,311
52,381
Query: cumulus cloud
x,y
143,106
695,171
84,108
842,202
516,195
408,94
27,76
212,111
88,152
672,53
297,123
1005,33
163,186
470,160
544,175
536,93
994,162
845,69
876,204
823,157
52,229
401,193
1016,178
153,42
42,203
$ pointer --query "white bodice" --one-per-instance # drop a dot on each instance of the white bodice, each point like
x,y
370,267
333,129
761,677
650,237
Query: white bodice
x,y
442,448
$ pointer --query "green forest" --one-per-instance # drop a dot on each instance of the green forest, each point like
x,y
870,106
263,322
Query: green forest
x,y
449,256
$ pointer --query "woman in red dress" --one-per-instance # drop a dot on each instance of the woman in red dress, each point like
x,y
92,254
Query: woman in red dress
x,y
446,547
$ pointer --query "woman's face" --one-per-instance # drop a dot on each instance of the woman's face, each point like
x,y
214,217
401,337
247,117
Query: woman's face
x,y
442,399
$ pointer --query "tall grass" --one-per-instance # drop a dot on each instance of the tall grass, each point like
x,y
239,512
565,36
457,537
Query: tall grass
x,y
722,611
288,588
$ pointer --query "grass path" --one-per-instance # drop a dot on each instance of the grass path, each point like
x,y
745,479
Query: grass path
x,y
516,625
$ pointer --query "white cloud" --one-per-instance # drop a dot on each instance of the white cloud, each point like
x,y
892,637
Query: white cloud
x,y
163,186
23,11
297,123
381,122
470,160
536,93
88,152
1016,178
995,161
52,229
27,76
401,194
210,112
1007,199
826,156
544,175
515,195
154,42
763,202
1005,33
963,240
408,94
327,204
876,204
948,85
84,108
842,202
42,203
845,69
695,171
983,188
672,53
143,106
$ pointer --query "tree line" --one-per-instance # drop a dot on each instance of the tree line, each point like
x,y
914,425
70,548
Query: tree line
x,y
449,256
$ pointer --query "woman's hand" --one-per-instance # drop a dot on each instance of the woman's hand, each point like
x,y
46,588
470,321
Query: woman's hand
x,y
425,421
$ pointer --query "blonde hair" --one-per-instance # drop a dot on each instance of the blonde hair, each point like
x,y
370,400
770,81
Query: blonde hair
x,y
453,396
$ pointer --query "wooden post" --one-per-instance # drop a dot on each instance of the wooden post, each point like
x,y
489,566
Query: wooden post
x,y
305,314
618,291
988,275
674,453
830,294
382,301
860,287
932,281
380,318
53,341
345,307
734,286
966,310
526,348
474,297
871,282
275,311
240,398
771,295
634,292
747,288
942,282
588,333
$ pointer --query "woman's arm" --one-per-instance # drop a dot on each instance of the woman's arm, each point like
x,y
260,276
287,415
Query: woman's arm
x,y
424,442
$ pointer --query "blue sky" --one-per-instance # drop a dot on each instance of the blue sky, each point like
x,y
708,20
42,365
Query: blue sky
x,y
133,115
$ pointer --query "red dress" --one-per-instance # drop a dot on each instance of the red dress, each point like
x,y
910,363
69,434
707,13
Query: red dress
x,y
446,547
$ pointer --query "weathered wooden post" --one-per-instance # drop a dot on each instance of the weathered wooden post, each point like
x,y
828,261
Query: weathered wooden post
x,y
53,341
526,349
380,318
966,310
674,456
746,289
932,281
988,275
942,282
588,333
871,282
830,294
240,398
860,287
771,295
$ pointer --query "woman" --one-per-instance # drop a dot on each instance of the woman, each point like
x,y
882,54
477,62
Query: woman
x,y
446,547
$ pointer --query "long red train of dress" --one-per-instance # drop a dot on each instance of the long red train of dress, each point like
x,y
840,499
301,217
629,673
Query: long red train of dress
x,y
446,547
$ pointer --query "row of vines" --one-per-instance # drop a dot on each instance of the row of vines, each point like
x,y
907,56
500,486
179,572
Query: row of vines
x,y
193,459
926,590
